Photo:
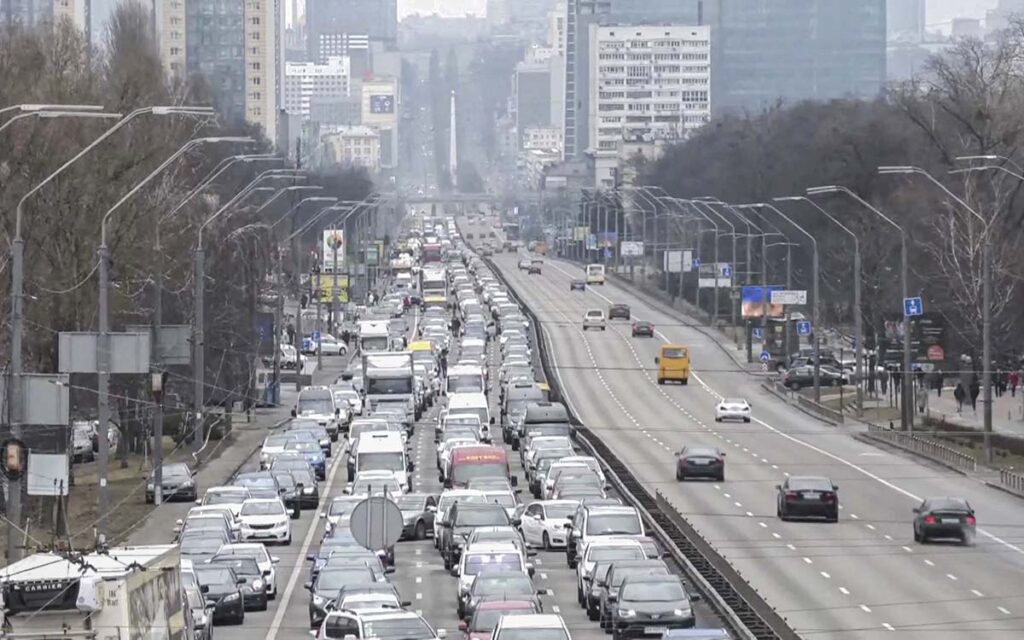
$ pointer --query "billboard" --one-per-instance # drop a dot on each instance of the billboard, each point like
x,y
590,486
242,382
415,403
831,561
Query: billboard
x,y
382,104
334,239
579,234
631,248
756,302
707,273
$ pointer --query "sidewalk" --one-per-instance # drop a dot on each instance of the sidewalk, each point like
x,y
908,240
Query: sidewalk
x,y
1006,411
156,524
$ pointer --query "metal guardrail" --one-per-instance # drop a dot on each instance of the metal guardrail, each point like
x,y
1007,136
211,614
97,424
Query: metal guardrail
x,y
806,404
1012,480
926,448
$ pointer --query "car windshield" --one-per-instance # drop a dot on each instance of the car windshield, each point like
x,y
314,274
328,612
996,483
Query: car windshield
x,y
558,511
698,452
385,460
305,447
242,566
175,472
614,523
947,504
224,497
621,573
652,592
734,401
809,484
268,508
411,503
276,441
466,472
673,353
342,507
447,501
255,481
208,575
334,579
404,628
465,383
389,386
486,585
377,485
481,517
506,500
316,405
486,619
479,563
285,480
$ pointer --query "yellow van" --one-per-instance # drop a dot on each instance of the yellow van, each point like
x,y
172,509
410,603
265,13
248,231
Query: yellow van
x,y
673,363
595,274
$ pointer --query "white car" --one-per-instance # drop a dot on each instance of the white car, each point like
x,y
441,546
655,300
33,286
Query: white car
x,y
372,601
732,409
272,445
266,519
257,551
229,496
543,522
594,319
331,346
350,396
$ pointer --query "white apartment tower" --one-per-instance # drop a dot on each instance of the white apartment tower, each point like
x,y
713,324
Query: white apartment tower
x,y
77,11
647,82
305,81
171,29
264,59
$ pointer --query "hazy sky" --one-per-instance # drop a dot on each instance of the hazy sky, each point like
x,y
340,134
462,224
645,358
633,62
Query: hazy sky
x,y
941,12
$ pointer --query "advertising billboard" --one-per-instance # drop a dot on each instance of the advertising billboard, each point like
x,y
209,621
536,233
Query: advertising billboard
x,y
334,239
756,301
382,104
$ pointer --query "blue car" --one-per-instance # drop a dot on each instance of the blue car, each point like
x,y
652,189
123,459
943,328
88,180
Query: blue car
x,y
314,456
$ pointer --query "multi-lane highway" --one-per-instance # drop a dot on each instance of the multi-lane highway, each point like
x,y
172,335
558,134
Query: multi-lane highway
x,y
859,577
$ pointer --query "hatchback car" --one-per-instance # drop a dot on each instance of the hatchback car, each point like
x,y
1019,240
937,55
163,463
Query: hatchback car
x,y
619,310
944,518
700,462
808,496
594,319
732,409
643,328
577,284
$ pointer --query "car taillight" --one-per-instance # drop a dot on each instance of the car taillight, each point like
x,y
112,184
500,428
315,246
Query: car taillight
x,y
828,497
971,521
792,495
929,519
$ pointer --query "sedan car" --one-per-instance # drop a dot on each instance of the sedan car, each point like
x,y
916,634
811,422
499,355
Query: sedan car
x,y
254,588
618,310
524,265
418,511
543,523
481,625
534,268
643,328
177,482
314,455
577,284
808,496
266,519
649,604
700,462
506,585
594,319
944,518
222,588
732,409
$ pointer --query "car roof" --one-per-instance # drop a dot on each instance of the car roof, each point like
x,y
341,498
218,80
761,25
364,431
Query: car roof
x,y
534,620
505,604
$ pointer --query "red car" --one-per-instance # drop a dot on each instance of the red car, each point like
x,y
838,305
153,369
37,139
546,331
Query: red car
x,y
487,613
643,328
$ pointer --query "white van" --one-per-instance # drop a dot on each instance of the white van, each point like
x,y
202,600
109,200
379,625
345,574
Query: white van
x,y
473,404
464,378
595,274
384,451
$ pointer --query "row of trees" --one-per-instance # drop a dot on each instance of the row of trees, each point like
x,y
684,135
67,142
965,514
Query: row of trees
x,y
55,65
967,102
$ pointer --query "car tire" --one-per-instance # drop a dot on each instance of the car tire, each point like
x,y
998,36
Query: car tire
x,y
421,530
685,381
717,419
917,536
833,517
680,476
661,380
149,499
746,419
794,386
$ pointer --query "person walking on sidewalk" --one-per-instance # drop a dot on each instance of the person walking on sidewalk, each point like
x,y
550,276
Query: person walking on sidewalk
x,y
975,390
1014,381
959,394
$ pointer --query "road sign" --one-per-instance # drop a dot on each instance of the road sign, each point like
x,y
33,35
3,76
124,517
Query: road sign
x,y
936,352
912,307
757,333
696,262
765,356
315,336
726,271
607,252
803,328
631,248
376,523
782,296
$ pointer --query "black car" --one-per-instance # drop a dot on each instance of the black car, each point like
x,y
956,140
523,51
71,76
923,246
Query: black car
x,y
290,492
460,520
254,589
323,588
177,482
617,574
645,603
618,310
944,518
221,587
310,491
808,497
803,376
700,462
643,328
577,284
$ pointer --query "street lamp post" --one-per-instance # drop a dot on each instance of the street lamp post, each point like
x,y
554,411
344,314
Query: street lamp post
x,y
986,303
103,343
906,413
718,233
18,294
59,114
858,318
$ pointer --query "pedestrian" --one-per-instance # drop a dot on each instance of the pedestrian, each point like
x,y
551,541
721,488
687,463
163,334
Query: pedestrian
x,y
959,394
975,390
883,380
1014,381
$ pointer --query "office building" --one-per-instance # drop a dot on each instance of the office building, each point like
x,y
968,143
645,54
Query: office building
x,y
905,20
646,82
212,44
306,81
542,138
264,63
766,50
31,13
556,29
358,145
331,23
531,97
579,15
380,102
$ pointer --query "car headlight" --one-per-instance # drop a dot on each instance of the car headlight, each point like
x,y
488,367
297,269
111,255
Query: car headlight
x,y
681,613
231,598
626,613
187,483
257,584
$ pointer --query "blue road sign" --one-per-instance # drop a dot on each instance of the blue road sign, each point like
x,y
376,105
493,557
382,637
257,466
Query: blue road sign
x,y
803,328
726,271
912,307
758,333
696,262
765,356
315,336
607,252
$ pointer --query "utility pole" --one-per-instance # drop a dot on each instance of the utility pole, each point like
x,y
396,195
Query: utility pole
x,y
198,355
103,382
278,325
158,404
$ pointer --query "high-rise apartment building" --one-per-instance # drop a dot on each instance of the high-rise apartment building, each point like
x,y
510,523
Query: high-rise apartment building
x,y
579,15
647,82
556,29
531,97
170,20
766,50
380,106
330,23
31,13
307,83
264,63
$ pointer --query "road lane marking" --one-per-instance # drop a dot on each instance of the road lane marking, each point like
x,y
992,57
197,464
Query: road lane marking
x,y
888,627
1003,610
776,535
865,608
808,560
825,574
844,591
907,549
977,593
791,547
929,562
952,577
293,579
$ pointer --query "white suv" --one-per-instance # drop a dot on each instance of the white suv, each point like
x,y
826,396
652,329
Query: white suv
x,y
594,319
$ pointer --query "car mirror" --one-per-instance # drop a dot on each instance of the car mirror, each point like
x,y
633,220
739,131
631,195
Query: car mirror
x,y
337,413
310,557
514,481
517,521
406,603
209,607
323,514
916,510
199,502
203,588
577,535
389,570
778,487
293,413
531,554
431,509
657,360
568,525
293,513
835,487
274,559
695,597
442,634
240,581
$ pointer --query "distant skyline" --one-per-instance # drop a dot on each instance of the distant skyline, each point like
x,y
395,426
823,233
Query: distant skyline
x,y
940,13
446,8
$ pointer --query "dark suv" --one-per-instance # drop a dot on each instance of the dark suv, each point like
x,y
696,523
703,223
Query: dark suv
x,y
459,522
618,311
